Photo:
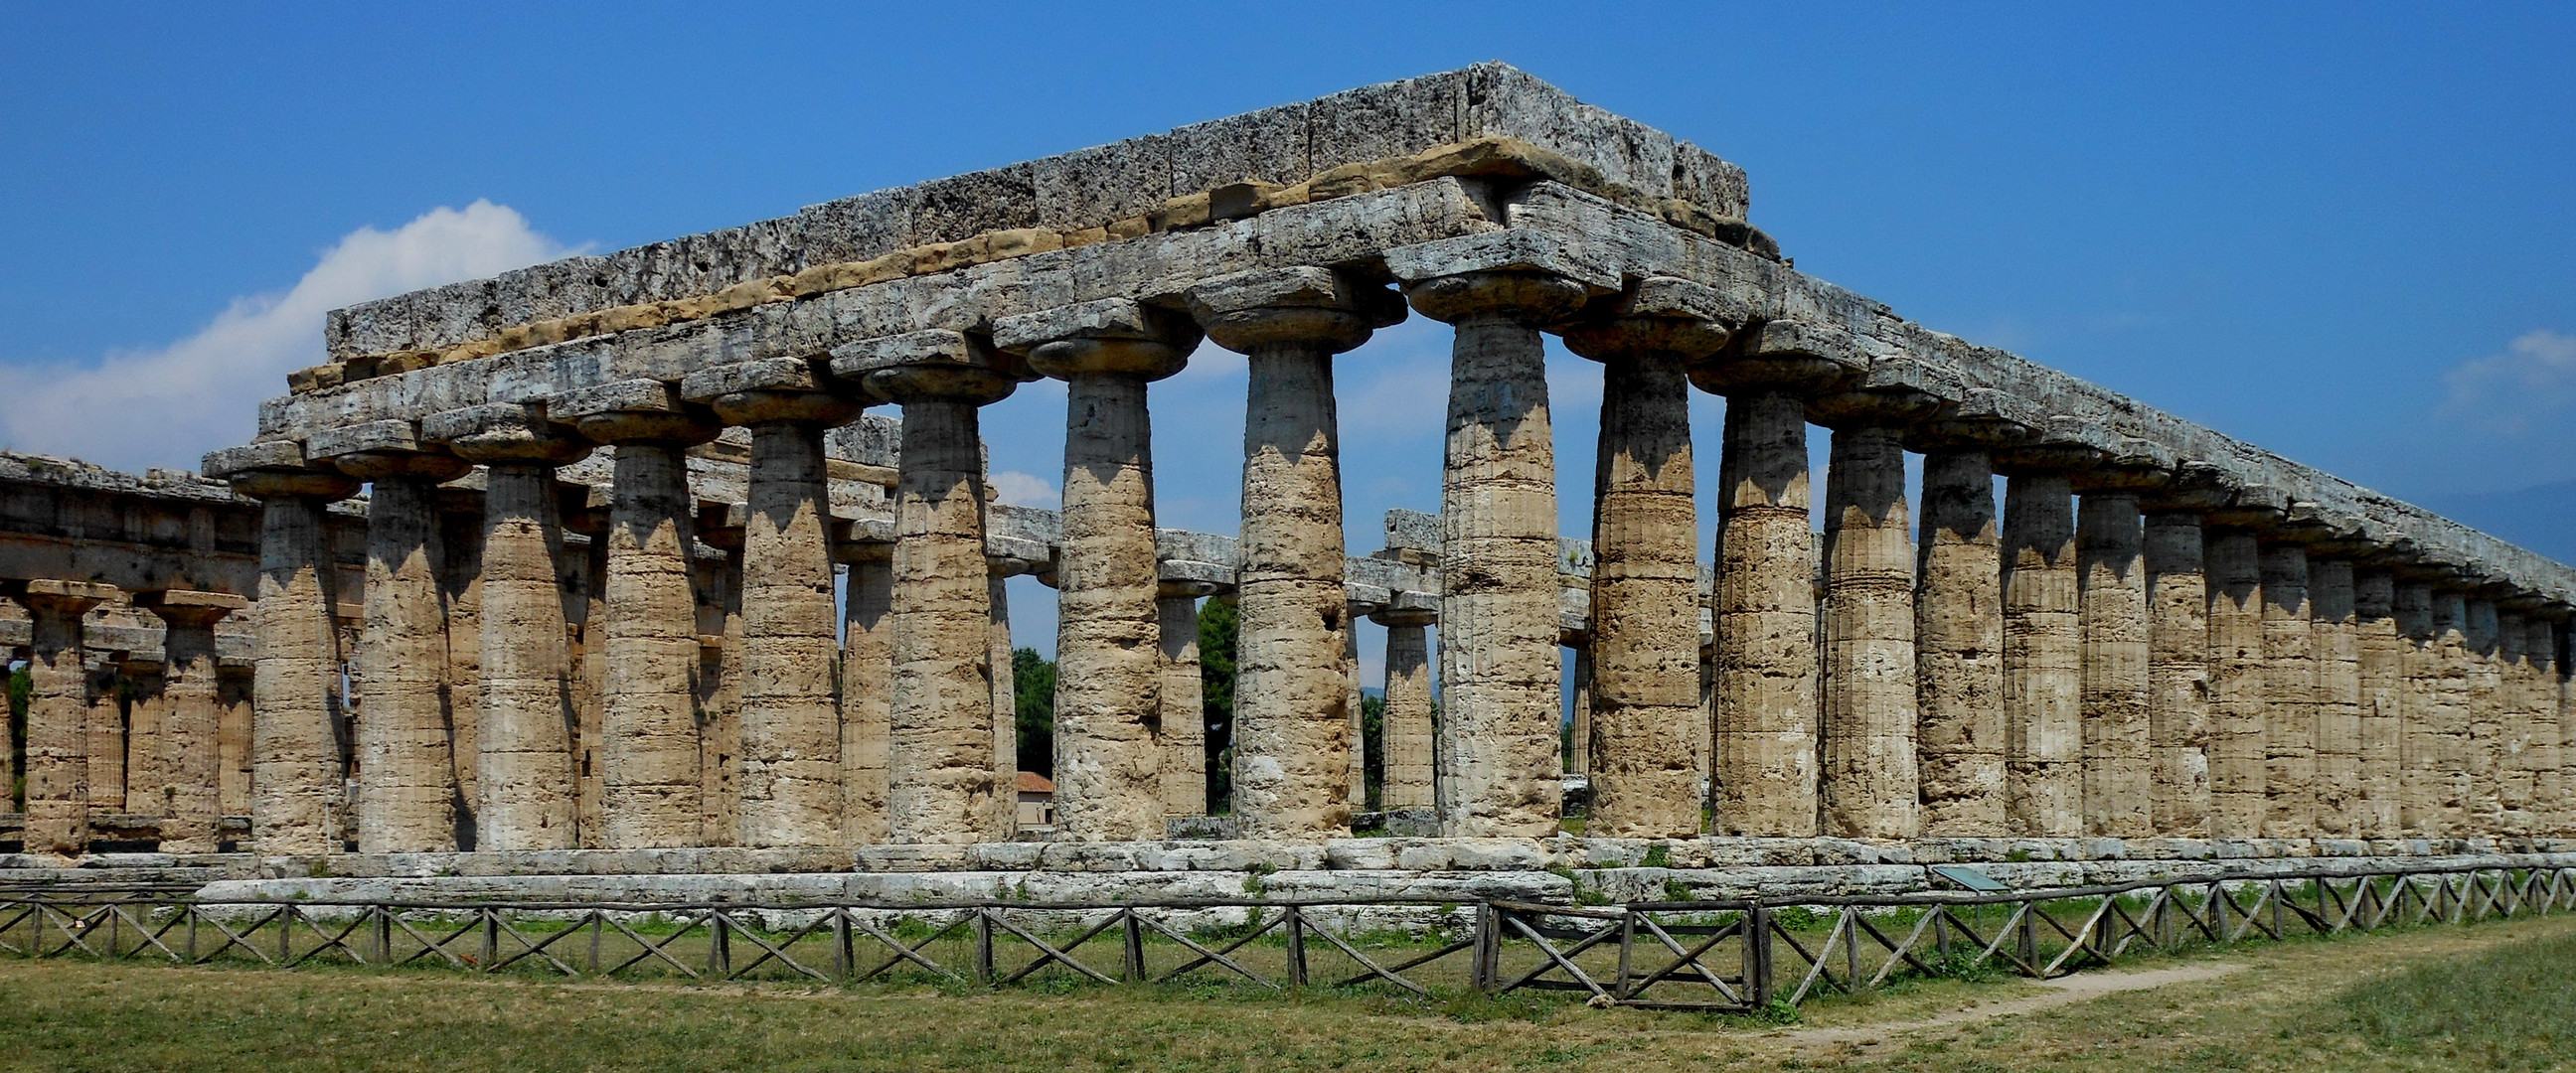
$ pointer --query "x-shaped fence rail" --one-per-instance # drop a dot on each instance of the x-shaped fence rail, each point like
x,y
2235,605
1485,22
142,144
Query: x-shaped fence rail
x,y
1729,955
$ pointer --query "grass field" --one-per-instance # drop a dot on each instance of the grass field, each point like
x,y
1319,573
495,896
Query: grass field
x,y
2491,996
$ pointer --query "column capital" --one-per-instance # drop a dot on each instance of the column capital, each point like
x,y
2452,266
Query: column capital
x,y
2066,445
1980,419
1660,315
189,607
1107,337
504,433
277,469
1408,609
69,598
933,365
773,391
1301,306
1893,394
1528,278
636,411
382,450
1800,357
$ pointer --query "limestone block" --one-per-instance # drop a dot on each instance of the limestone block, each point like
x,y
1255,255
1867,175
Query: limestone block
x,y
1389,119
1502,100
966,205
1265,146
1108,182
1502,251
857,228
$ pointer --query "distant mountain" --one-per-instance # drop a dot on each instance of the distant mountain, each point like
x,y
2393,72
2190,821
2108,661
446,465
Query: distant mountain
x,y
2541,517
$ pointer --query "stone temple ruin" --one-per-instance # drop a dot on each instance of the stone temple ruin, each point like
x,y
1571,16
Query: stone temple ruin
x,y
581,632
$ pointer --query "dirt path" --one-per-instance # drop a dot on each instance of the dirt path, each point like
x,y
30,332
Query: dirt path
x,y
1870,1039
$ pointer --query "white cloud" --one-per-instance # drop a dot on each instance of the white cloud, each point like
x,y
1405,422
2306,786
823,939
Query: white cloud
x,y
166,407
2533,382
1024,489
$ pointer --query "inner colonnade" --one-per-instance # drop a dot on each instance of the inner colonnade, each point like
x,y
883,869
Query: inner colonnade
x,y
2158,631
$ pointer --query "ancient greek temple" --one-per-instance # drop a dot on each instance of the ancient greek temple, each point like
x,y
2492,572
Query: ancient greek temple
x,y
691,546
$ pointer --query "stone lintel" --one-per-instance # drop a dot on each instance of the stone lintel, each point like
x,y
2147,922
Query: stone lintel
x,y
371,437
1513,250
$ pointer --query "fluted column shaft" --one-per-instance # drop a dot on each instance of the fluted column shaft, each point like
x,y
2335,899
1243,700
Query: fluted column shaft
x,y
652,789
1959,630
867,693
2117,685
2420,741
2450,806
525,775
407,791
57,747
1353,711
2380,652
2549,784
296,773
2238,697
1181,731
1005,819
1407,719
1766,759
192,815
2290,692
2515,742
940,771
1869,783
1108,633
1646,748
2484,707
2337,631
2178,690
2043,668
791,738
121,720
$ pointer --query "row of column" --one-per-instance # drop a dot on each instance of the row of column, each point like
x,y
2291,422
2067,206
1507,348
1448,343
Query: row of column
x,y
2040,670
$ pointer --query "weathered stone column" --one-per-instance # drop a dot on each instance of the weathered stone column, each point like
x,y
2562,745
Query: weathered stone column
x,y
1352,709
2290,688
2043,650
294,751
2238,697
234,683
1407,719
791,722
1182,734
1292,743
2483,673
1003,704
1958,617
1765,603
1639,737
119,720
940,785
1108,628
407,789
192,813
2518,709
2451,688
2421,784
2549,784
2380,654
2111,598
717,581
2336,629
867,690
1870,786
57,773
526,784
651,788
2178,690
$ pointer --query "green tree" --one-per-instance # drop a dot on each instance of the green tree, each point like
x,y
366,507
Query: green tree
x,y
1218,627
1033,714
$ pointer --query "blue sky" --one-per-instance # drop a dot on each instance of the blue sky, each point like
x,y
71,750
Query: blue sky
x,y
2346,232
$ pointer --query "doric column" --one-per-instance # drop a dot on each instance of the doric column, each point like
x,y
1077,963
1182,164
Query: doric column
x,y
296,772
2118,684
2336,628
459,512
2380,654
2289,690
651,794
1638,734
2516,744
1181,736
57,772
1108,628
718,583
2238,697
1765,603
2449,805
942,715
1578,683
407,789
526,785
2420,743
2549,784
791,724
1406,723
867,689
1292,742
234,681
124,718
191,719
1500,772
1958,616
2484,707
2178,690
1870,784
1004,704
2043,646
